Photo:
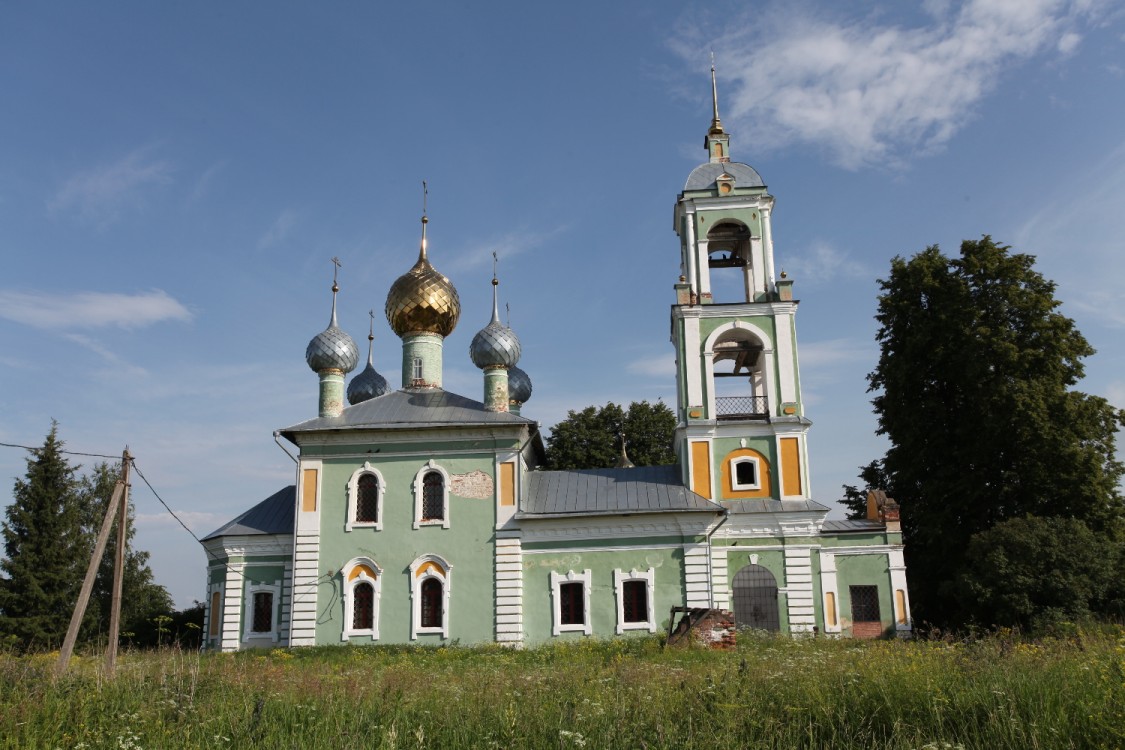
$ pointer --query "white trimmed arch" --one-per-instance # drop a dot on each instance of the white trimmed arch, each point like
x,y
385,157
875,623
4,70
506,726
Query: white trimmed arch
x,y
767,368
419,521
422,569
353,498
357,571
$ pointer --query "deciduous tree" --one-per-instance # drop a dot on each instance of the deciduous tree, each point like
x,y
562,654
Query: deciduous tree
x,y
974,390
590,439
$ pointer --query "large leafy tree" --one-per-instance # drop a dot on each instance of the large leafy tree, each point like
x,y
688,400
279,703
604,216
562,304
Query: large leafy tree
x,y
590,439
45,551
974,390
142,599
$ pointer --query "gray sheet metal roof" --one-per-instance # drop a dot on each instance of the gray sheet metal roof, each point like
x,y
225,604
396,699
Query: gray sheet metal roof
x,y
774,506
704,176
409,408
849,525
274,515
605,492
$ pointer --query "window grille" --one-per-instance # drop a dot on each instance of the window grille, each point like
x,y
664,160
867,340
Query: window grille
x,y
433,497
635,601
363,606
367,499
755,599
263,613
431,603
865,603
571,604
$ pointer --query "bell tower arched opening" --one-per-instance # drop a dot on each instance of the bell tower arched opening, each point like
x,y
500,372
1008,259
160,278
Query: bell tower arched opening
x,y
739,376
729,247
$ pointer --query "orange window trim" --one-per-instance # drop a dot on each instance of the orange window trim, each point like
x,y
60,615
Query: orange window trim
x,y
830,608
765,485
214,626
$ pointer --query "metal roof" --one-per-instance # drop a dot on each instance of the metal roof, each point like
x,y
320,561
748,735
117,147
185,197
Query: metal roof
x,y
703,177
853,525
774,506
274,515
410,408
603,492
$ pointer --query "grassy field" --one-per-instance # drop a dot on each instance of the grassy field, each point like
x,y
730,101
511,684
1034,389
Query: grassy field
x,y
996,692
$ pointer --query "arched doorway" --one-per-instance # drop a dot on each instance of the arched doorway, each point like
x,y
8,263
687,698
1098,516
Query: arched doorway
x,y
755,599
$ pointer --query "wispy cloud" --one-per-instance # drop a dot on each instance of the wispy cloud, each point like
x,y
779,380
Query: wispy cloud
x,y
821,355
823,262
121,367
873,93
279,230
661,366
203,184
506,246
101,194
200,522
86,310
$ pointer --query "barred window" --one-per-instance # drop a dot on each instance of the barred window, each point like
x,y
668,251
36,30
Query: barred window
x,y
865,603
433,497
571,604
367,499
431,603
263,613
635,604
363,606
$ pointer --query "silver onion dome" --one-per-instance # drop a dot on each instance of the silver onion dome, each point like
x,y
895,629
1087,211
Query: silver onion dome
x,y
369,383
332,348
495,345
519,385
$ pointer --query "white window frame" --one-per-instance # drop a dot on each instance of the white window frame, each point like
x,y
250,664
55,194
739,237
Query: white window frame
x,y
620,578
416,580
557,580
248,612
418,492
353,499
739,486
349,602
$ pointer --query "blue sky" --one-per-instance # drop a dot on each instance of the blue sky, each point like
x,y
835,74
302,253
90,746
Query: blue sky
x,y
175,177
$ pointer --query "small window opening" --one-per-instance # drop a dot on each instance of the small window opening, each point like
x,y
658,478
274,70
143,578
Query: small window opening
x,y
433,497
263,613
417,369
571,604
865,603
746,473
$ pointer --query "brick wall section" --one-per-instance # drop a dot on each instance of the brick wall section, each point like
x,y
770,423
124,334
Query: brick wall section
x,y
709,628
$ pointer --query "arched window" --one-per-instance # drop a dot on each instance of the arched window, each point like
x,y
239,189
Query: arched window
x,y
431,603
362,580
261,610
430,595
431,496
363,603
365,498
755,599
635,590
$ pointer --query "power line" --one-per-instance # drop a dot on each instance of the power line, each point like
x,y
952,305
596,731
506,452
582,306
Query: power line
x,y
69,453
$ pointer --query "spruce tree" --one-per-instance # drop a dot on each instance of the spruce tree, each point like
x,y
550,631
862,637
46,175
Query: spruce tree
x,y
45,550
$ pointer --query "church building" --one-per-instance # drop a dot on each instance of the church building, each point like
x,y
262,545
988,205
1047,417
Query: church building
x,y
422,516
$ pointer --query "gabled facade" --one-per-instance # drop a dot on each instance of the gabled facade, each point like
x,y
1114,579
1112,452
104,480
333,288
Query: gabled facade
x,y
422,516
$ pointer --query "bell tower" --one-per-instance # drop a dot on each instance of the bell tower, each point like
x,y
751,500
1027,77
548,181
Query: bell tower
x,y
741,432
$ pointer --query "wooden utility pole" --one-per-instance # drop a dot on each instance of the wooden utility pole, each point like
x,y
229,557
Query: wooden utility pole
x,y
118,570
118,504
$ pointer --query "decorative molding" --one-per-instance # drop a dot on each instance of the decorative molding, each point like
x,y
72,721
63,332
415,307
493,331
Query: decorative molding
x,y
424,567
274,590
570,576
419,522
348,585
649,578
353,499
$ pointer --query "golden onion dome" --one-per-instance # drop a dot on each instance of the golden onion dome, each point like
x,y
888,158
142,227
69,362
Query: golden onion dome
x,y
423,300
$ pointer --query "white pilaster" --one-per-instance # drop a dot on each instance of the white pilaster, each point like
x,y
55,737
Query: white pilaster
x,y
799,589
720,578
697,574
509,590
231,632
897,566
829,585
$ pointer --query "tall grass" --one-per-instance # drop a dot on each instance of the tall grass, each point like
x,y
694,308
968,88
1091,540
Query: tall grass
x,y
998,692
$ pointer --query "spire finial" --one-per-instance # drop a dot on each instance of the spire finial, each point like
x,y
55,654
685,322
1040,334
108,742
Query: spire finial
x,y
425,220
495,285
716,124
623,461
371,337
508,313
335,288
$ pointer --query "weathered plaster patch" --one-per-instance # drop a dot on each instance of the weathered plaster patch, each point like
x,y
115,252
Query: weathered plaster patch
x,y
475,484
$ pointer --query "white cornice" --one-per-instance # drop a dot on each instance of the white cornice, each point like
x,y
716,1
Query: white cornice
x,y
368,436
250,544
735,310
541,530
